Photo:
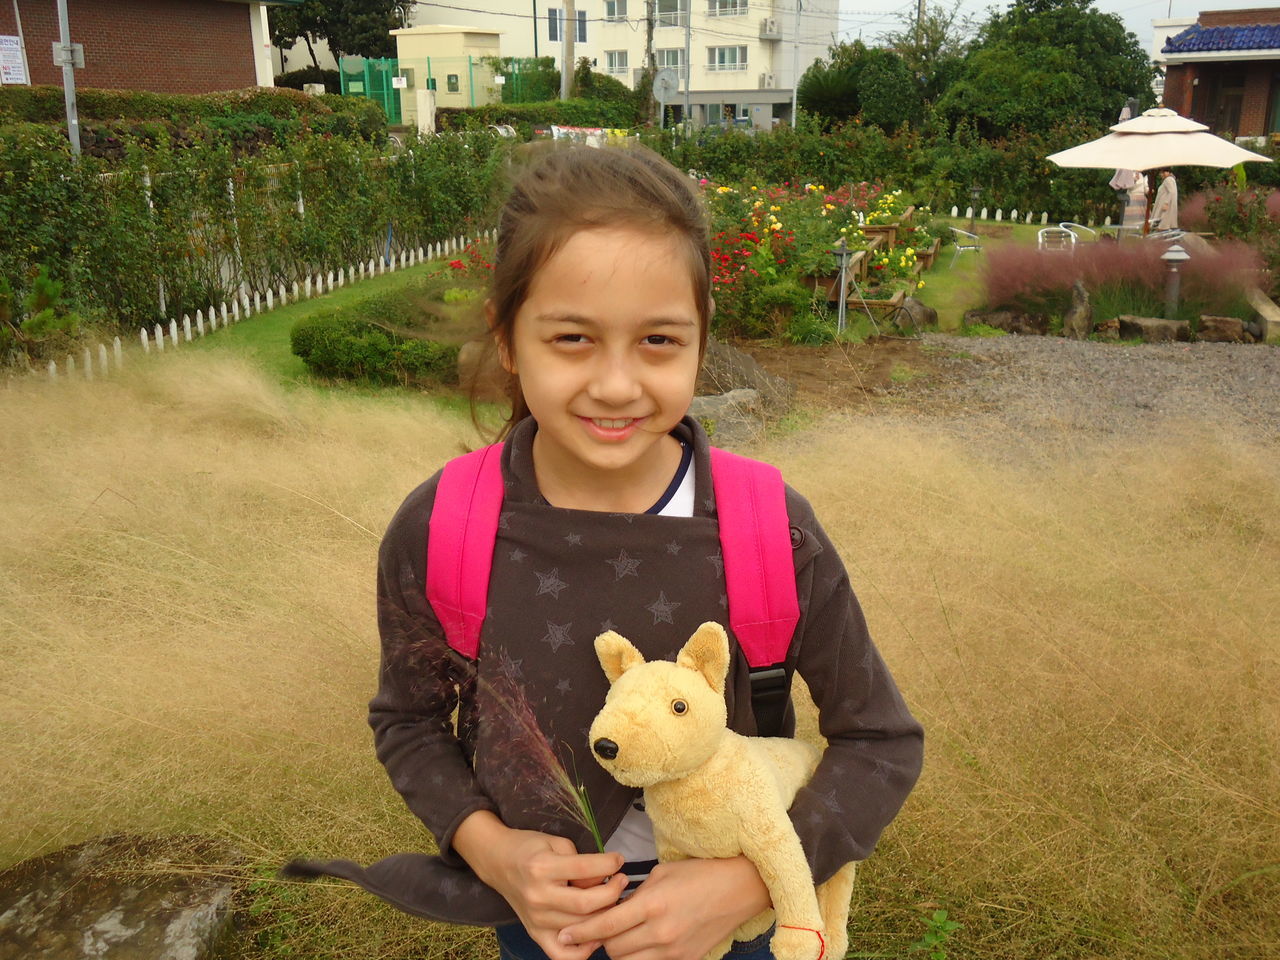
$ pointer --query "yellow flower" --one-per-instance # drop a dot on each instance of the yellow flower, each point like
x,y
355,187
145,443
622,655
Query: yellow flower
x,y
844,229
757,205
755,188
920,285
911,251
830,206
775,226
774,209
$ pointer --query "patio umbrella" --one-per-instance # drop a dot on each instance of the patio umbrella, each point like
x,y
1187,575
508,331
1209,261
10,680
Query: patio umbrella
x,y
1159,138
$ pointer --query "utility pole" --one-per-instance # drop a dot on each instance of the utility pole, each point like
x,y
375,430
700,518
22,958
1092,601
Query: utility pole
x,y
650,65
688,66
535,29
66,57
567,30
795,63
919,22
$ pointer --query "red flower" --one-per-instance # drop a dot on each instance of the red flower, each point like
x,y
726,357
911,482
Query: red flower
x,y
457,264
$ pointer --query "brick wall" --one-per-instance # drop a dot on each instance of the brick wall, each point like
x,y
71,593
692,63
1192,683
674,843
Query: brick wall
x,y
167,46
1240,18
1178,88
1257,97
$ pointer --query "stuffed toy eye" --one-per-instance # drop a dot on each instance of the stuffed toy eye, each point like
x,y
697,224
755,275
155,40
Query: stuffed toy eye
x,y
678,707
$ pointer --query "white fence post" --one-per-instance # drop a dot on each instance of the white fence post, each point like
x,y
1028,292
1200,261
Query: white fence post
x,y
306,286
186,327
71,367
295,291
102,358
118,349
146,341
88,363
223,306
53,370
283,296
159,338
1044,218
257,302
271,299
200,323
235,311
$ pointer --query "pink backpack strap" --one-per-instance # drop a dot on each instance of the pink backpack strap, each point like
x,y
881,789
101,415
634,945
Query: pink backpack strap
x,y
755,541
464,524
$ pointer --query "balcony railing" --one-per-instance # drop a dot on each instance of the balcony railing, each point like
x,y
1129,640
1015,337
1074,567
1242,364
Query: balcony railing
x,y
727,66
733,10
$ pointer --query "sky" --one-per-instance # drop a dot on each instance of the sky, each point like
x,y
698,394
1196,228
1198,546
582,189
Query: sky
x,y
873,17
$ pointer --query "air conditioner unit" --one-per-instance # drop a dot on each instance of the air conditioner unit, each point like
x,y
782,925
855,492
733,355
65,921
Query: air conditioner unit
x,y
767,81
769,29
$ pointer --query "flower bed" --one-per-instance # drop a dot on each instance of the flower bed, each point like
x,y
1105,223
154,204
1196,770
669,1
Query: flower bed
x,y
773,259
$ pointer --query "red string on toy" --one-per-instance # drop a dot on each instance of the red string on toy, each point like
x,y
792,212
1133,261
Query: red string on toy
x,y
822,943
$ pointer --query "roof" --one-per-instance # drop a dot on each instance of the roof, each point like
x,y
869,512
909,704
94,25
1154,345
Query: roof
x,y
1198,39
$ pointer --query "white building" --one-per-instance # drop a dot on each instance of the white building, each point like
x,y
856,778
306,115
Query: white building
x,y
745,55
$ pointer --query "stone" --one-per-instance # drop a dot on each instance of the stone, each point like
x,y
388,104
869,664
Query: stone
x,y
1153,329
920,315
1221,330
1107,329
1077,322
479,371
726,369
1010,321
730,418
120,898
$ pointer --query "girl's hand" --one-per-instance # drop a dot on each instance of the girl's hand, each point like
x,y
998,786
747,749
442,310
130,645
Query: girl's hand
x,y
685,908
544,878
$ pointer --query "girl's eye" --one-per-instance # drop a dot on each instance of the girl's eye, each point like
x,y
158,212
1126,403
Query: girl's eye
x,y
570,338
657,339
679,707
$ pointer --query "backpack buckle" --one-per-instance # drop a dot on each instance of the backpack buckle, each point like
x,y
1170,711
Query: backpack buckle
x,y
770,696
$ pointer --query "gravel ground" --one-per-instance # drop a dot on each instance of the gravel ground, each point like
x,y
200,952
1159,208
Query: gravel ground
x,y
1032,386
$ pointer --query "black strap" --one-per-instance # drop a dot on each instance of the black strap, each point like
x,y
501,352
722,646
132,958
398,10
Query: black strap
x,y
770,696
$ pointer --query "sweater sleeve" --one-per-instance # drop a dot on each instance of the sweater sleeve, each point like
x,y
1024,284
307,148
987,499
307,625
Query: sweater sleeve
x,y
874,745
412,712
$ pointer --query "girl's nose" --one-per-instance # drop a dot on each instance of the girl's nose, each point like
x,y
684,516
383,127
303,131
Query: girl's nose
x,y
614,382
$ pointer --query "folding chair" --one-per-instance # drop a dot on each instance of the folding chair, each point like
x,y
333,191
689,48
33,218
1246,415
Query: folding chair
x,y
964,240
1080,230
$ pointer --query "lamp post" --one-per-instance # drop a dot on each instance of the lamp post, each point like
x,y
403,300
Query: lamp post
x,y
975,194
1172,257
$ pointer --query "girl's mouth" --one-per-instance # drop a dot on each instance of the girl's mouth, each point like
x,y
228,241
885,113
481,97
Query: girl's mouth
x,y
612,428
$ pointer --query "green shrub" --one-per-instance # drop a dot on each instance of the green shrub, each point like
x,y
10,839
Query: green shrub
x,y
343,347
525,116
294,79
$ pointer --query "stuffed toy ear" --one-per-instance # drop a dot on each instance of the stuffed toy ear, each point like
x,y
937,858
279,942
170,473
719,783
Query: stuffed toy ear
x,y
707,651
617,655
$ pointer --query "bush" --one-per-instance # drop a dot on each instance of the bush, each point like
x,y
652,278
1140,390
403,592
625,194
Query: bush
x,y
341,347
294,79
525,116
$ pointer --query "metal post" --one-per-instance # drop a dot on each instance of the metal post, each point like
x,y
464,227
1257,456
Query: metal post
x,y
688,63
535,29
22,41
68,79
568,27
795,63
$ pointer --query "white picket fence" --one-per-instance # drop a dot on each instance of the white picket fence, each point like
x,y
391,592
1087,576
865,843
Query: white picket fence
x,y
101,362
985,213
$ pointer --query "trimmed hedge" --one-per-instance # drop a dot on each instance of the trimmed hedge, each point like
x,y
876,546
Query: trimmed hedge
x,y
525,116
342,347
294,79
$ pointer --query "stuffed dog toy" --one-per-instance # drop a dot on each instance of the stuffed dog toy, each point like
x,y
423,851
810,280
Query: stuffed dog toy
x,y
713,793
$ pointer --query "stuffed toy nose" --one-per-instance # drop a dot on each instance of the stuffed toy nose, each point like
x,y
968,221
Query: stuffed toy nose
x,y
605,748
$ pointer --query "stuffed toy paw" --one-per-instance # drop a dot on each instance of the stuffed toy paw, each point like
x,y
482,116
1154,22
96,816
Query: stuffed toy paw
x,y
713,793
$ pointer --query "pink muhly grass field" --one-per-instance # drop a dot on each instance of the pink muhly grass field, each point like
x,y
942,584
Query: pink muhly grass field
x,y
1036,281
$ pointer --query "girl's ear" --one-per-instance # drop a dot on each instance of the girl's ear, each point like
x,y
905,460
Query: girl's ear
x,y
505,356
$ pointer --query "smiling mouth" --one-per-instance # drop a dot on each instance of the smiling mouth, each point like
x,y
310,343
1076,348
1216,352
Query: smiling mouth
x,y
616,424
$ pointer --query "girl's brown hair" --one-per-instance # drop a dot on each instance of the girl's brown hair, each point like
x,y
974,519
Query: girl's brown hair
x,y
565,189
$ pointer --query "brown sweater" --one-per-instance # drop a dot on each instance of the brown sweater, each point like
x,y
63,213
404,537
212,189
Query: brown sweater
x,y
559,578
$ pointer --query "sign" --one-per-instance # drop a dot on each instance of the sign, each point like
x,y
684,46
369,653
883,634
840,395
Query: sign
x,y
400,83
12,67
68,54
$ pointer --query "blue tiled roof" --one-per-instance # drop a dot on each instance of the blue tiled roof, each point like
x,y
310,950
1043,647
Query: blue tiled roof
x,y
1198,39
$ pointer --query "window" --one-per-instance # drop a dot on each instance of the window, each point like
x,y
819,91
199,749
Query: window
x,y
726,58
615,9
555,20
615,61
673,13
726,8
451,82
672,57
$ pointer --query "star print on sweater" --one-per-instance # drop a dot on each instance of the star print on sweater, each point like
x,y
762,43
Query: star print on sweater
x,y
550,583
624,566
662,608
557,635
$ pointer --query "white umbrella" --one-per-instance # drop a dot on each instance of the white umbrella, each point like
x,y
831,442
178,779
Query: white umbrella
x,y
1158,138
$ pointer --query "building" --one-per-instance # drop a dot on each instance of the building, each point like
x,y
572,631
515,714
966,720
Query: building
x,y
1224,70
739,58
455,62
166,46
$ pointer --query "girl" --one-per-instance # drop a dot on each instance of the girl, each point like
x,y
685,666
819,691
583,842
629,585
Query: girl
x,y
599,311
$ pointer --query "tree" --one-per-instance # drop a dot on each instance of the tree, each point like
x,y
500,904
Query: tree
x,y
352,27
858,80
1046,62
933,49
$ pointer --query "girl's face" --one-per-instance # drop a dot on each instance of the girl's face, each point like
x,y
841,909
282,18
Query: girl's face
x,y
606,349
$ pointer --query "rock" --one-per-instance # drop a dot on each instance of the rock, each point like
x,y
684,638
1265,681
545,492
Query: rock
x,y
478,362
1010,321
119,898
921,316
1220,330
726,369
1107,329
1077,322
733,417
1153,329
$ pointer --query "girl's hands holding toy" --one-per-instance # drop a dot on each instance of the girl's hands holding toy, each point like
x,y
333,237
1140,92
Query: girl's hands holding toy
x,y
683,910
544,878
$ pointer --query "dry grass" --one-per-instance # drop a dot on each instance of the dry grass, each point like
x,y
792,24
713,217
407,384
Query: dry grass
x,y
1090,636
